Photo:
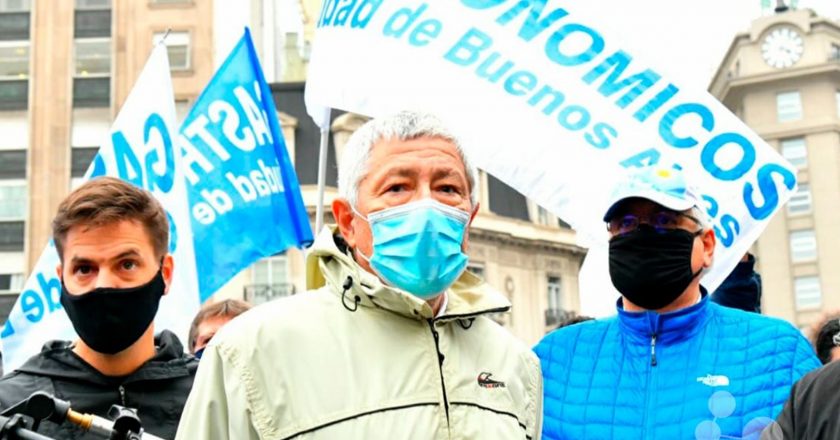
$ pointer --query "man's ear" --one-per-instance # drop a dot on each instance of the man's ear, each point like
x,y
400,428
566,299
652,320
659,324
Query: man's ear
x,y
167,267
709,242
58,271
465,244
475,211
343,214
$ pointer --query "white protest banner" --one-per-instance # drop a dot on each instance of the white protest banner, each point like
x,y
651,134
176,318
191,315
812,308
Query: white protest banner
x,y
547,100
139,149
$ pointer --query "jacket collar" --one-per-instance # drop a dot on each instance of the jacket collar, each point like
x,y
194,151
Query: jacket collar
x,y
329,263
668,327
57,360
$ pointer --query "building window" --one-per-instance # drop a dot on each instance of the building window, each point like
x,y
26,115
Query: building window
x,y
554,313
14,20
12,164
803,246
269,278
11,282
11,236
92,81
834,52
795,151
182,109
800,202
837,101
14,74
92,57
807,292
14,60
788,106
178,49
92,54
80,160
13,200
92,18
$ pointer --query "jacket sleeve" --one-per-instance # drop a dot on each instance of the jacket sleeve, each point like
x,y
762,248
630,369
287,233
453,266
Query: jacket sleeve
x,y
217,407
536,395
804,360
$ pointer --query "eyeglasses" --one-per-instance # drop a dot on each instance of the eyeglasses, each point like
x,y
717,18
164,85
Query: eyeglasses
x,y
660,221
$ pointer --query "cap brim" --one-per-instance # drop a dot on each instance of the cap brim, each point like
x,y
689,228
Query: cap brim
x,y
668,201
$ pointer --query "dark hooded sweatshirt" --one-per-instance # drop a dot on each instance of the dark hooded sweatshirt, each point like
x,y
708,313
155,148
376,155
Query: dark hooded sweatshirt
x,y
158,390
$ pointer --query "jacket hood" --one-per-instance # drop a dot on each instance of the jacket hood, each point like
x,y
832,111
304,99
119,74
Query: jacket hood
x,y
330,264
57,360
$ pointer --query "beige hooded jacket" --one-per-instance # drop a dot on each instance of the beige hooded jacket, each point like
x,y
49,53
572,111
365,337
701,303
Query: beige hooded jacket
x,y
366,362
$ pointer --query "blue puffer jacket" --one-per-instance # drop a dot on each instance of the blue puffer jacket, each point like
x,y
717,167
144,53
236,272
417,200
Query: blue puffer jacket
x,y
706,372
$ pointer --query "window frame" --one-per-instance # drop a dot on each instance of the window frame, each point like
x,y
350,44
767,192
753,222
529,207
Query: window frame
x,y
798,290
799,239
789,115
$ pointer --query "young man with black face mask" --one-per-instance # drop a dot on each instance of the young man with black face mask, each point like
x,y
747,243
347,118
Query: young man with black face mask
x,y
112,240
672,364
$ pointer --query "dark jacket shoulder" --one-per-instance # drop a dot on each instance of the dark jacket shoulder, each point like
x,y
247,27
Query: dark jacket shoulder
x,y
157,390
811,410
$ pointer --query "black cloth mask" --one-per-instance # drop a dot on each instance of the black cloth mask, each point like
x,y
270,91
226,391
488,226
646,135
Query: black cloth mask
x,y
108,319
652,268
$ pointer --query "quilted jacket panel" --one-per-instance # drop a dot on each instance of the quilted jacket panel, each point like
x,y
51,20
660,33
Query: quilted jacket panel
x,y
710,372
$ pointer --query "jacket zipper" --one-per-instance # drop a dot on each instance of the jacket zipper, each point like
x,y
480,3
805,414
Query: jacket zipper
x,y
122,395
651,386
440,357
653,350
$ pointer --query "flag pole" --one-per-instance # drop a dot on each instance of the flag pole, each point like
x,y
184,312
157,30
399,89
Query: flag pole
x,y
322,172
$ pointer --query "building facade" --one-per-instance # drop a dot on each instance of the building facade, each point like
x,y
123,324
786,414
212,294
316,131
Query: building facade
x,y
67,66
782,78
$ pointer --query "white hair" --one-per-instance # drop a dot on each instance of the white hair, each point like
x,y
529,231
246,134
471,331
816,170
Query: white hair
x,y
403,126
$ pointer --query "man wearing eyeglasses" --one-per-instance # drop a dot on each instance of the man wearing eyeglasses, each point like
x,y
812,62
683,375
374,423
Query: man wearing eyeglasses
x,y
672,364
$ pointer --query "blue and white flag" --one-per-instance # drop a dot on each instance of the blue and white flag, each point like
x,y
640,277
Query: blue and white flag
x,y
245,201
139,149
546,99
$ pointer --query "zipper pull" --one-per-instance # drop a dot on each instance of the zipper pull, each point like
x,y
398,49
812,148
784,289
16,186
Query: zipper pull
x,y
122,395
653,350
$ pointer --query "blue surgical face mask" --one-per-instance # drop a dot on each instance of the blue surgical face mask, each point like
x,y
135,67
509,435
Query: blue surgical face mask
x,y
417,246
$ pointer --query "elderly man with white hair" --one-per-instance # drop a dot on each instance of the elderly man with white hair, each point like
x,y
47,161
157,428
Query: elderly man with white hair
x,y
396,342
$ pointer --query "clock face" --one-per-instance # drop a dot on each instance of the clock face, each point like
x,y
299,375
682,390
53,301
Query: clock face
x,y
782,47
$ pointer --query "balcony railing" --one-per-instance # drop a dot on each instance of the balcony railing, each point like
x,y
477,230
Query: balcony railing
x,y
260,293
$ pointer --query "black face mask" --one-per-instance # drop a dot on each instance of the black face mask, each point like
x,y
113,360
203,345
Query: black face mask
x,y
108,319
652,268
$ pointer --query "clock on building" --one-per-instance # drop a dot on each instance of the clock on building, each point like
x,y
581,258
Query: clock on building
x,y
782,47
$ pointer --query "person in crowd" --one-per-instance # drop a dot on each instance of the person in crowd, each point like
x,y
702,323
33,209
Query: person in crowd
x,y
210,319
671,364
827,340
810,412
742,287
397,340
112,240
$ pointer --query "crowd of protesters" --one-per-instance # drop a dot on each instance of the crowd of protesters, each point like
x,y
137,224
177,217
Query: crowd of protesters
x,y
395,339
